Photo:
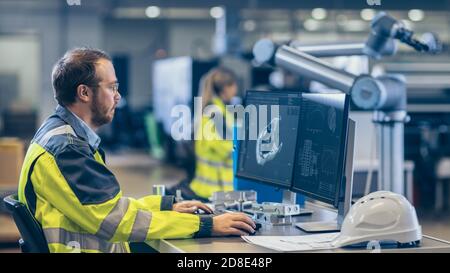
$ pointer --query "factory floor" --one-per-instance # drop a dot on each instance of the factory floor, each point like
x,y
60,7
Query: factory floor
x,y
137,173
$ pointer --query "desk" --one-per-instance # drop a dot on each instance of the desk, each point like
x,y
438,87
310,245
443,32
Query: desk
x,y
238,245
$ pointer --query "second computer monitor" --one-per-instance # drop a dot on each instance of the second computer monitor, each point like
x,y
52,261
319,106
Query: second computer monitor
x,y
321,146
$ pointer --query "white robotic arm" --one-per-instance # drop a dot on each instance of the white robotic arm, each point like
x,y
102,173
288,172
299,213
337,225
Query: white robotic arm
x,y
366,92
386,95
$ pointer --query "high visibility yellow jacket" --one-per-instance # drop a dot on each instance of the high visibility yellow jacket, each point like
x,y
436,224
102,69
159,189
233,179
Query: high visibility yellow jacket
x,y
214,163
78,202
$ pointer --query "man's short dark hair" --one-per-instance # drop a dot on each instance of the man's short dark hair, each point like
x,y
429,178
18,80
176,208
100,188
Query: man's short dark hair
x,y
76,67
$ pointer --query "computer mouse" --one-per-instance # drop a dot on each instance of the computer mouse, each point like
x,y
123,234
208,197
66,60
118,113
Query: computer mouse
x,y
258,226
200,211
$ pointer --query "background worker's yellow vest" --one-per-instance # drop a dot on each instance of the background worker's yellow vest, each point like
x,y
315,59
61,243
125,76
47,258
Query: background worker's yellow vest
x,y
214,163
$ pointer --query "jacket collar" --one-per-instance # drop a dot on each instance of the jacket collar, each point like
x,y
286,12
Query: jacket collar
x,y
79,126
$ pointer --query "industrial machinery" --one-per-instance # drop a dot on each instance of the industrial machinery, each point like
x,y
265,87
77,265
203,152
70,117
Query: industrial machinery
x,y
385,95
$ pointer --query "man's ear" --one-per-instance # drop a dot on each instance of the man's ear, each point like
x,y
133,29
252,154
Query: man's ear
x,y
83,93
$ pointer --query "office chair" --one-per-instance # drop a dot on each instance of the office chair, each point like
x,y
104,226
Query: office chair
x,y
33,239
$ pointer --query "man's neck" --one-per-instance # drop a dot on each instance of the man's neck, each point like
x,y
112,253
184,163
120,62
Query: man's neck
x,y
83,115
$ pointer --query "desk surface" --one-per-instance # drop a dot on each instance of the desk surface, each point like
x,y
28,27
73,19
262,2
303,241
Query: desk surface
x,y
238,245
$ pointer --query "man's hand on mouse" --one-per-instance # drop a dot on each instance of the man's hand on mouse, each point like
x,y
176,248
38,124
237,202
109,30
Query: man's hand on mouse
x,y
233,224
191,207
236,223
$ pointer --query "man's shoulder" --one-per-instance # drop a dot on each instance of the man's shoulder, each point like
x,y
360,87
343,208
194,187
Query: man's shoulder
x,y
55,136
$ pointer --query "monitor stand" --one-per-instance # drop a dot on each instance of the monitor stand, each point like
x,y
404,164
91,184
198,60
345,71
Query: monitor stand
x,y
345,194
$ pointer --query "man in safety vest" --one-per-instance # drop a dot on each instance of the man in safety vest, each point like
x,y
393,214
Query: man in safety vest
x,y
74,196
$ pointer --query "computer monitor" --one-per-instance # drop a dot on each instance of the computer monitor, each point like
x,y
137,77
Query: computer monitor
x,y
275,165
315,153
321,146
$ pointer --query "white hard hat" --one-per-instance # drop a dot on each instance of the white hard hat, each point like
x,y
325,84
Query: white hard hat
x,y
380,216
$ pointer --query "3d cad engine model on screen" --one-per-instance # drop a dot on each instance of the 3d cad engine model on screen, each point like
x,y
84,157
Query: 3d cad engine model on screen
x,y
268,144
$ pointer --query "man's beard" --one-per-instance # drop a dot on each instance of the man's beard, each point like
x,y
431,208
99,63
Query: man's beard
x,y
99,113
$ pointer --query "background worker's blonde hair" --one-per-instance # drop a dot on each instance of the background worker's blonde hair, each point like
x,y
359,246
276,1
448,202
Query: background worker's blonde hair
x,y
214,82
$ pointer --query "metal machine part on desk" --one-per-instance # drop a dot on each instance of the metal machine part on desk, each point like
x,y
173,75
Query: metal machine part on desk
x,y
233,200
276,213
234,206
279,209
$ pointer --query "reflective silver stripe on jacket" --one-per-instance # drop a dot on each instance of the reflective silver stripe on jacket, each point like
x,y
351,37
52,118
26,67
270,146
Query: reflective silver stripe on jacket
x,y
77,242
61,130
214,163
111,222
141,226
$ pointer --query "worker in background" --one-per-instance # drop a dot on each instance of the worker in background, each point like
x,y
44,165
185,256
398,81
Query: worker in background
x,y
67,186
214,164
